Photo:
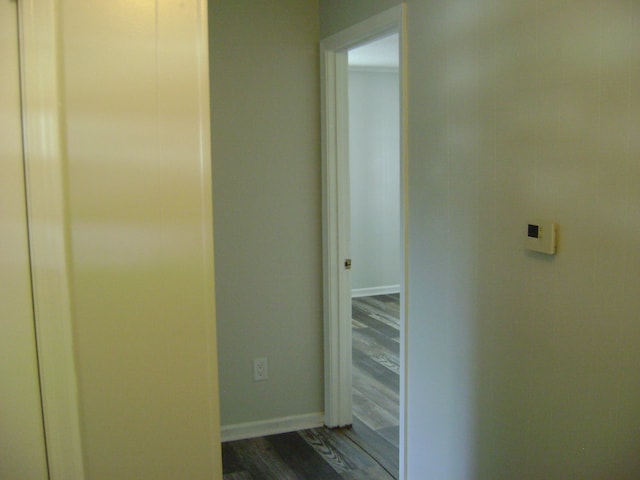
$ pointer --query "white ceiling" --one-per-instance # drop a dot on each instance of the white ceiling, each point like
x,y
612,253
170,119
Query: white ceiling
x,y
378,53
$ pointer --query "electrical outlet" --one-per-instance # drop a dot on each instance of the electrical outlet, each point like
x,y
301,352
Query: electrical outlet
x,y
260,369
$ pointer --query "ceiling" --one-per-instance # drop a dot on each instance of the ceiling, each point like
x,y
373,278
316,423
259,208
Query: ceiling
x,y
381,53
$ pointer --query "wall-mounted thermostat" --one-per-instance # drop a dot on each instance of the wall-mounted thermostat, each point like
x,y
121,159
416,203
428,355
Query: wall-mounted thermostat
x,y
541,237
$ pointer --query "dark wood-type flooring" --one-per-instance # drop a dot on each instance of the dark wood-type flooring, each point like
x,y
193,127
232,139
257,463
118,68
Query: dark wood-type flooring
x,y
376,377
315,454
368,450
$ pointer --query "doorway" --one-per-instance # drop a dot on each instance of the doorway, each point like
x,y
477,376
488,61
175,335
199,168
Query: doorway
x,y
337,224
375,241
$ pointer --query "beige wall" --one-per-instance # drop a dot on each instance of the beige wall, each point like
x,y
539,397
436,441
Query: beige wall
x,y
266,163
139,204
374,177
521,365
336,15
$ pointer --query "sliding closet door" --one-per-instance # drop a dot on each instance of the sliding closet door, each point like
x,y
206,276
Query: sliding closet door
x,y
22,447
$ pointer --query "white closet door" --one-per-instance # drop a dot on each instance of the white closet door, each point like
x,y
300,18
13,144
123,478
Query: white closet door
x,y
22,444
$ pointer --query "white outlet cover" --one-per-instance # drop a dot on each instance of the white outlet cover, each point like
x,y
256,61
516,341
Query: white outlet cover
x,y
260,369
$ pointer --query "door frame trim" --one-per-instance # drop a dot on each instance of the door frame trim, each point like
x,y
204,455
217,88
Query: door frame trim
x,y
44,154
335,220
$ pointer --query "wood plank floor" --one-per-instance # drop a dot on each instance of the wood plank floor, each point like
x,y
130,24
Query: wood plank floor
x,y
315,454
376,377
368,450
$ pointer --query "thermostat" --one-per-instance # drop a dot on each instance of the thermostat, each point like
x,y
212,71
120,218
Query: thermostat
x,y
541,237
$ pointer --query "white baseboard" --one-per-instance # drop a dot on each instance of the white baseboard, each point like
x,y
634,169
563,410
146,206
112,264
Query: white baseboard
x,y
368,292
241,431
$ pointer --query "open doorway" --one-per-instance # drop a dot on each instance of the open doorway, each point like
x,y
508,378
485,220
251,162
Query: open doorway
x,y
345,393
376,245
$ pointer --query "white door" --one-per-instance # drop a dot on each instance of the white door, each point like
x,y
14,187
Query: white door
x,y
22,444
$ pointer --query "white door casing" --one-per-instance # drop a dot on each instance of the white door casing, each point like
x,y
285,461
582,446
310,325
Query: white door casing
x,y
336,215
44,177
22,443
